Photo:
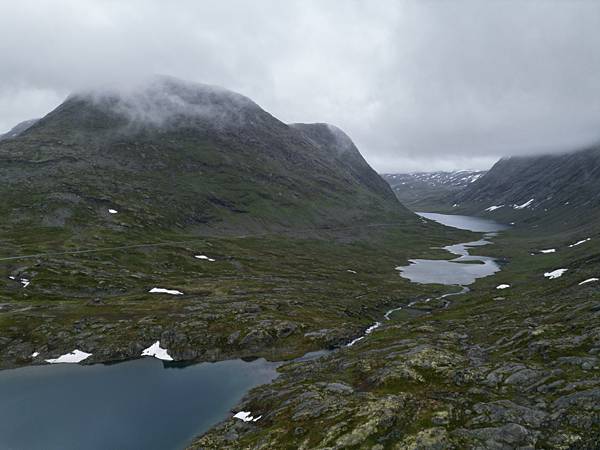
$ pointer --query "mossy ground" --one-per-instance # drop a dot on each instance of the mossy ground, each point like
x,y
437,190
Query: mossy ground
x,y
497,369
266,295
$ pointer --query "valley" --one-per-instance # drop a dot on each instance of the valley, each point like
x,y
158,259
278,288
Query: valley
x,y
192,418
181,234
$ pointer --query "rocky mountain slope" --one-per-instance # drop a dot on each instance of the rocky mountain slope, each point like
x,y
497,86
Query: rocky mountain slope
x,y
177,155
18,129
280,238
421,191
559,190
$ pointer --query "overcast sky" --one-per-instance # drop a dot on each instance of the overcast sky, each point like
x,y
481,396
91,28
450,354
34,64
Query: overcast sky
x,y
417,85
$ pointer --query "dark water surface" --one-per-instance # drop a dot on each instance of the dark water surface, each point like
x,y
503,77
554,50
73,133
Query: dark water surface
x,y
140,404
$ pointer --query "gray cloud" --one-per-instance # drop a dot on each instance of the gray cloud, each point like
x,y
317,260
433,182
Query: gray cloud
x,y
418,85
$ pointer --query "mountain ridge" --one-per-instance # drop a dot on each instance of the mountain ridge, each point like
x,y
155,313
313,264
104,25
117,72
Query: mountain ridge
x,y
186,155
558,189
421,191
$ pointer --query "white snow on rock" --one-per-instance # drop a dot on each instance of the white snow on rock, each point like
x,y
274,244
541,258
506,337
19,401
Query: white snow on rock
x,y
113,211
503,286
35,354
550,250
157,290
367,331
583,241
74,357
589,280
24,281
524,205
351,271
158,352
493,208
555,273
246,416
204,257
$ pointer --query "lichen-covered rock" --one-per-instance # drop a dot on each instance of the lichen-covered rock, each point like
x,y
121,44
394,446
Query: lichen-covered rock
x,y
430,438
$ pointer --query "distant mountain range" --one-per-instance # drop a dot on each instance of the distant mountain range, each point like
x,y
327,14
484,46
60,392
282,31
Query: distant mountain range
x,y
18,129
559,190
173,154
422,190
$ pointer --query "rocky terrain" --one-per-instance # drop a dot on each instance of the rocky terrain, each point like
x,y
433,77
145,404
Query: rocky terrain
x,y
261,296
499,368
195,190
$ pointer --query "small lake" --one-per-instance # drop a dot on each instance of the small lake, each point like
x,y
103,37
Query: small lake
x,y
464,269
140,404
470,223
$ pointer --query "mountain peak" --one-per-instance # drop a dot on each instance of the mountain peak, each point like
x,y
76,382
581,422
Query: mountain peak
x,y
179,154
157,103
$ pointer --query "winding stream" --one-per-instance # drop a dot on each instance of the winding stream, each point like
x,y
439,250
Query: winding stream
x,y
148,404
459,272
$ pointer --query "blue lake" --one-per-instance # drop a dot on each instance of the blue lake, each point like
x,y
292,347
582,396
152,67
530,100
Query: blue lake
x,y
465,268
139,404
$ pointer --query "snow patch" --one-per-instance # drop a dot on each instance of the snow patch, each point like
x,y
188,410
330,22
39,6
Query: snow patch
x,y
367,331
583,241
35,354
589,280
157,290
549,250
351,271
524,205
113,211
503,286
24,281
204,257
555,274
246,416
74,357
493,208
158,352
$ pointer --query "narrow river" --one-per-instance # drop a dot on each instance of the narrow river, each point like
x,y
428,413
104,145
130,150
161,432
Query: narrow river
x,y
148,404
458,272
